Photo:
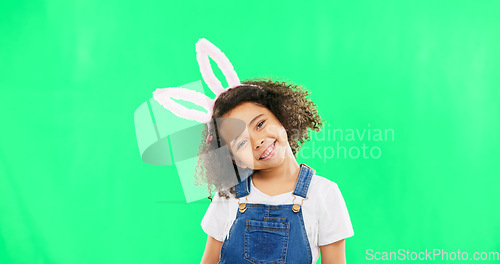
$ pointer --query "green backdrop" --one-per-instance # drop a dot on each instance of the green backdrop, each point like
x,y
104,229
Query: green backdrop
x,y
73,187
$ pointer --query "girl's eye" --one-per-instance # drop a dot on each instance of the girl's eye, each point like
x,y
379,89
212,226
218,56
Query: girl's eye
x,y
241,144
261,123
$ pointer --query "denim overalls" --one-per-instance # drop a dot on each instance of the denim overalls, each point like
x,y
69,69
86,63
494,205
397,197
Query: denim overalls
x,y
263,234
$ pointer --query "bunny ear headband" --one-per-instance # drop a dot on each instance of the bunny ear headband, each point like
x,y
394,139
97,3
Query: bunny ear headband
x,y
204,49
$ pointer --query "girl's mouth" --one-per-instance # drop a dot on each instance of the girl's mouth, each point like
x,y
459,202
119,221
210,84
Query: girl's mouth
x,y
269,152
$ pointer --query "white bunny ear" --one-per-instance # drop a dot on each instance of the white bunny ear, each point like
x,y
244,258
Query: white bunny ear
x,y
164,97
204,49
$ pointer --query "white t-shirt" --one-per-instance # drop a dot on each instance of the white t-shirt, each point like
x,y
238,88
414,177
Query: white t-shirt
x,y
325,214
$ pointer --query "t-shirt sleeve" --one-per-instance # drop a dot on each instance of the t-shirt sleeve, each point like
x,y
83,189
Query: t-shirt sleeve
x,y
213,223
334,223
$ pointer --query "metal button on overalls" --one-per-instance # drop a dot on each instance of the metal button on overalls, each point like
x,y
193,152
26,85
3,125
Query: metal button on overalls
x,y
264,234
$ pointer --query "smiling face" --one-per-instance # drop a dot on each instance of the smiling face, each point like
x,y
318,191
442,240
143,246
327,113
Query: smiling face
x,y
264,142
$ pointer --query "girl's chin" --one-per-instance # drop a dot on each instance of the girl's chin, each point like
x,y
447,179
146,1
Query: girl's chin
x,y
275,161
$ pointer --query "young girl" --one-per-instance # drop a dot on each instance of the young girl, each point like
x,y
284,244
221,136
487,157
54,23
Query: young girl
x,y
255,222
274,210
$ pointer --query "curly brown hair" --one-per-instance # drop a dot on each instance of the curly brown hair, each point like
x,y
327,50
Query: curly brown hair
x,y
288,102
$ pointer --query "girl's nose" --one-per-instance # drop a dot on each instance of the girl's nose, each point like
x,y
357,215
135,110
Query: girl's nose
x,y
259,143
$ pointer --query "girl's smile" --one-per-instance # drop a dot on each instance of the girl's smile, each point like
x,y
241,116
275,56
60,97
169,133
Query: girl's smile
x,y
269,152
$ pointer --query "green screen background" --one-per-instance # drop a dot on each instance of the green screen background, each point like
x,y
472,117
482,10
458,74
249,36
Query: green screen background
x,y
73,187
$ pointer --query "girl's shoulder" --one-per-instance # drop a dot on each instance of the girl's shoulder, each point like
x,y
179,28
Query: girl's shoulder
x,y
321,182
223,194
321,187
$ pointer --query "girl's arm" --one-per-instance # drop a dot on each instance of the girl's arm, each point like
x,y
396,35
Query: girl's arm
x,y
333,253
212,251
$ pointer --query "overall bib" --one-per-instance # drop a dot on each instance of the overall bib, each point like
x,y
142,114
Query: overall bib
x,y
264,234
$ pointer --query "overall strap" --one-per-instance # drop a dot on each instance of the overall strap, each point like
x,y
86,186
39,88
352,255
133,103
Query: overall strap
x,y
243,188
304,180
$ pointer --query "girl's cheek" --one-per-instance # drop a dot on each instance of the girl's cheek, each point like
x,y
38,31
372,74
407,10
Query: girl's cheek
x,y
283,134
275,129
247,155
